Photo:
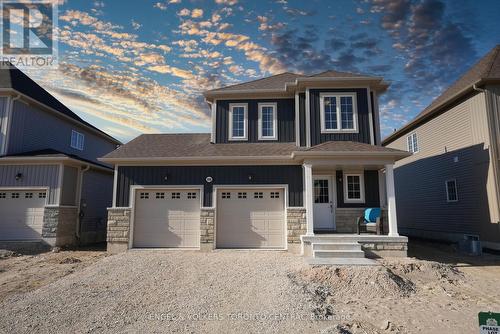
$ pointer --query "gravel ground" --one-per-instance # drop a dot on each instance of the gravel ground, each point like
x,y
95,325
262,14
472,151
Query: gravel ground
x,y
170,291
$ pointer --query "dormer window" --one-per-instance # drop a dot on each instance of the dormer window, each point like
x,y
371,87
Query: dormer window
x,y
77,140
238,121
267,121
339,113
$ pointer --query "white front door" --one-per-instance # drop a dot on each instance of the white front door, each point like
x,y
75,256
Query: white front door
x,y
324,207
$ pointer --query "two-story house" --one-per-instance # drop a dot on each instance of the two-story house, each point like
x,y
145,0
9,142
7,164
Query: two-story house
x,y
449,188
290,158
53,190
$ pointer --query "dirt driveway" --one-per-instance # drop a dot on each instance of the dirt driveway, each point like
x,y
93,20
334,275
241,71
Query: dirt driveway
x,y
434,291
169,291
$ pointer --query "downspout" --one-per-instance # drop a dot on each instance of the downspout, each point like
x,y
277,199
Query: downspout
x,y
80,213
10,110
496,159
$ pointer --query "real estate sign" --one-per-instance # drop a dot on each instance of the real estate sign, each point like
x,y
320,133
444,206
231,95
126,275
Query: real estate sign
x,y
489,323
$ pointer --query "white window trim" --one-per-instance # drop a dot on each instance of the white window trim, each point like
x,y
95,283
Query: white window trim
x,y
339,123
361,188
245,126
78,136
412,135
275,121
447,194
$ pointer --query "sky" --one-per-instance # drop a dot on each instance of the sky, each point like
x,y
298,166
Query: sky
x,y
132,67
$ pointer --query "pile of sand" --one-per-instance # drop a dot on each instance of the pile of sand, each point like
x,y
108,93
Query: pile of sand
x,y
356,282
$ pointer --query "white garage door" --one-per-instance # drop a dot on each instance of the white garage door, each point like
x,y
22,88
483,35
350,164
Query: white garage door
x,y
21,214
250,218
167,218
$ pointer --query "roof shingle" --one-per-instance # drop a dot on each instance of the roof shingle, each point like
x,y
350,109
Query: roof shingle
x,y
196,145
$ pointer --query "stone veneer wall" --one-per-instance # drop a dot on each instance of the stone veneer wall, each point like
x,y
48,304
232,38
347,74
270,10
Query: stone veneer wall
x,y
345,219
207,220
118,229
296,224
59,225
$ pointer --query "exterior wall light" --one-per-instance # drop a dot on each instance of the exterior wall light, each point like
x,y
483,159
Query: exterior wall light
x,y
209,179
19,176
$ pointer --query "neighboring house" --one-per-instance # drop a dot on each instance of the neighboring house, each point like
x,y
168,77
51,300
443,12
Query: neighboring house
x,y
289,157
53,189
449,187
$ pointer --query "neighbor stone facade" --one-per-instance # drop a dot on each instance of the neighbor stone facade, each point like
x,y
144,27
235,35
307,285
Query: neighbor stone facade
x,y
59,225
207,223
118,229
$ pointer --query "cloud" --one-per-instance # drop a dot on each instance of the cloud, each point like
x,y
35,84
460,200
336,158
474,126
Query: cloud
x,y
196,13
160,6
135,25
432,44
226,2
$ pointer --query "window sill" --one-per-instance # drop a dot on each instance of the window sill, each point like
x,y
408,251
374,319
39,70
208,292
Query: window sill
x,y
268,138
339,131
238,139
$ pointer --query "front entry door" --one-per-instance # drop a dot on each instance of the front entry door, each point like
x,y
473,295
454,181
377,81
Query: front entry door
x,y
324,208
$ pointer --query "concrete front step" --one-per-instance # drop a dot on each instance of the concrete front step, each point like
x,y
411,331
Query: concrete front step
x,y
341,261
336,246
338,254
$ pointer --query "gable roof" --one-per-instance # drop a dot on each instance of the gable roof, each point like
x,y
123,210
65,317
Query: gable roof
x,y
13,78
487,69
278,82
273,82
188,146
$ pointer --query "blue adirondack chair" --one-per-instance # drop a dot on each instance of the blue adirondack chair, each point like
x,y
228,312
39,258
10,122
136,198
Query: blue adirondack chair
x,y
371,221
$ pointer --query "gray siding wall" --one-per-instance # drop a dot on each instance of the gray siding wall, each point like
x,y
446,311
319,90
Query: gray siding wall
x,y
285,117
70,185
372,198
33,129
3,120
33,176
453,145
97,195
222,175
362,136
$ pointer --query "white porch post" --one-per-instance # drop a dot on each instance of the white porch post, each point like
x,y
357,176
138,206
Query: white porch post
x,y
391,200
309,198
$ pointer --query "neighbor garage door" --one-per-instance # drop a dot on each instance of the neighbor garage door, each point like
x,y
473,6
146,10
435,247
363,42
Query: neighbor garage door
x,y
167,218
21,214
250,218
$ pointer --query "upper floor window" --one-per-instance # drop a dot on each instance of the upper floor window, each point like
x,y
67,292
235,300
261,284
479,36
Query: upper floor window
x,y
267,121
451,191
238,120
412,142
338,112
354,188
77,140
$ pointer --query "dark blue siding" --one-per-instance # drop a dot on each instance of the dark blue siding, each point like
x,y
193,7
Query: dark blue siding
x,y
222,175
286,119
362,136
302,119
372,195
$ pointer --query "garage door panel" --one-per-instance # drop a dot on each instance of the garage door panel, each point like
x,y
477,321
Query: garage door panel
x,y
250,218
21,214
167,218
